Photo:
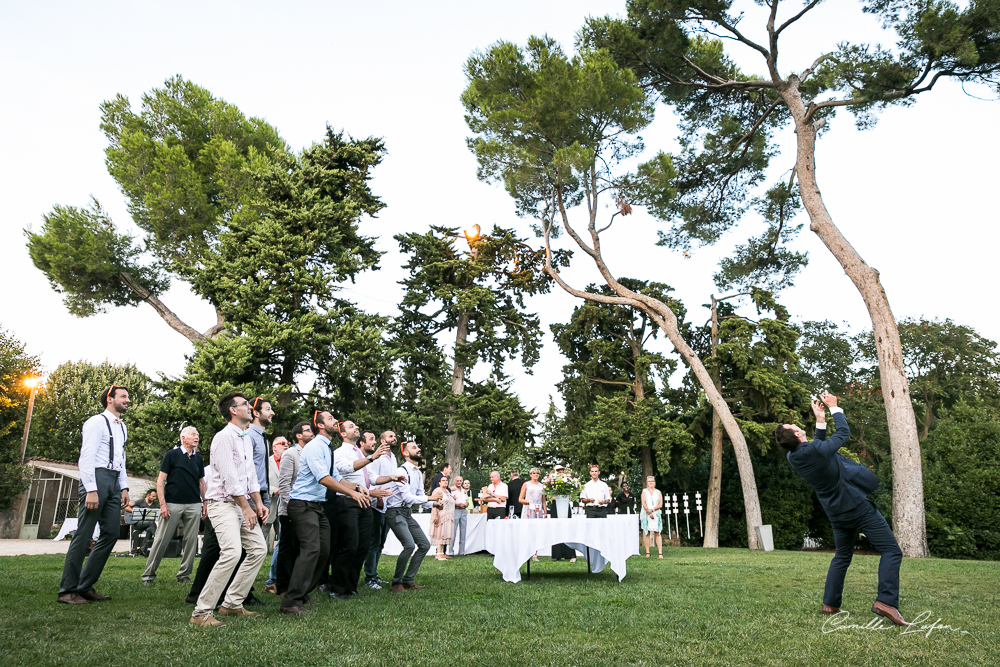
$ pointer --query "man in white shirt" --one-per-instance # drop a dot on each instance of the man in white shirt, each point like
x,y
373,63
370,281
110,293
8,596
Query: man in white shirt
x,y
354,523
399,516
103,492
496,497
231,485
596,495
461,516
383,466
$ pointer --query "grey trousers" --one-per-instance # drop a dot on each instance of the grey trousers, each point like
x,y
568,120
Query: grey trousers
x,y
190,515
415,543
77,576
313,530
461,523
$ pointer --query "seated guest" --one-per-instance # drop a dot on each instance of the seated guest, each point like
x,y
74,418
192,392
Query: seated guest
x,y
513,493
596,495
147,502
496,498
625,503
442,520
462,501
181,484
651,521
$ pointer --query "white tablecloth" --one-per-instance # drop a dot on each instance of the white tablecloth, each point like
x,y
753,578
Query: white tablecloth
x,y
611,540
70,524
475,535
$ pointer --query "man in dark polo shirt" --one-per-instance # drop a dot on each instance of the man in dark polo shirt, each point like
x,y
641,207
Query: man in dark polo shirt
x,y
181,488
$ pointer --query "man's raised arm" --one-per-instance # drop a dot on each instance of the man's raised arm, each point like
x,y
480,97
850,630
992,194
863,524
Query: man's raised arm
x,y
830,446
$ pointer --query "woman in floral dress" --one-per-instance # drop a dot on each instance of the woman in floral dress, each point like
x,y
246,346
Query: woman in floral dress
x,y
442,520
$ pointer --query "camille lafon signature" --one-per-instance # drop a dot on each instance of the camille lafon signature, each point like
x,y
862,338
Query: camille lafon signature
x,y
840,622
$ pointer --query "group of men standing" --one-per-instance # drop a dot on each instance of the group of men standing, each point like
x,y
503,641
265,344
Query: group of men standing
x,y
334,505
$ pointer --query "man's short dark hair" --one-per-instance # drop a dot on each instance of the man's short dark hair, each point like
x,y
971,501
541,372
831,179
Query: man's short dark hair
x,y
785,436
110,393
258,402
364,435
297,429
227,402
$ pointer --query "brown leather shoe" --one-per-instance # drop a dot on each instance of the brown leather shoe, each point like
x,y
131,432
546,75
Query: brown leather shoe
x,y
885,611
94,596
296,610
226,611
207,620
397,588
71,598
411,586
827,609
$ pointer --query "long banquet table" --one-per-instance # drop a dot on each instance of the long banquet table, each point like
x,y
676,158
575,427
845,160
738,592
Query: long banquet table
x,y
610,540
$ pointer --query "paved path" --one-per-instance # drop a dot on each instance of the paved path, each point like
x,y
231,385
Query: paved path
x,y
40,547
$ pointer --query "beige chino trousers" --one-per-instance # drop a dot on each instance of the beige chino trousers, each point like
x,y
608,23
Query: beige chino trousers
x,y
227,519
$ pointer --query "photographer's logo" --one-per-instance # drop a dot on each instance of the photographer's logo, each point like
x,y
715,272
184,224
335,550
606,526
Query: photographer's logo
x,y
840,622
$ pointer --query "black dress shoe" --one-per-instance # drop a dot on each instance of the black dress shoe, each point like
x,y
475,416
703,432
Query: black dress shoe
x,y
340,596
252,601
191,599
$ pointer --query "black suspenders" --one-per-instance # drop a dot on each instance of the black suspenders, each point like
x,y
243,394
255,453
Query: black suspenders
x,y
111,441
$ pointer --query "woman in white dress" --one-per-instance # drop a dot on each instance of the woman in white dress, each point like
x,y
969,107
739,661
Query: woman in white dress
x,y
652,505
533,500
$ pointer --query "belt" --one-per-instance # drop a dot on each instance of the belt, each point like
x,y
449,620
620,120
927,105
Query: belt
x,y
213,500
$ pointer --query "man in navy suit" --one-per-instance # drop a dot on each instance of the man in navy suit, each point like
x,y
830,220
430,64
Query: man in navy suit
x,y
842,487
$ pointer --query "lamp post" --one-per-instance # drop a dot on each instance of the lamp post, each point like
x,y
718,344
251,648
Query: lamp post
x,y
31,383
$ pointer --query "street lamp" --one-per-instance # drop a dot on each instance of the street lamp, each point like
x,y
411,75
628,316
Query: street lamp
x,y
32,383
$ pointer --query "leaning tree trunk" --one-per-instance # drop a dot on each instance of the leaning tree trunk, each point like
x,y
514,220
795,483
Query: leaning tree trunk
x,y
712,497
453,444
645,451
908,520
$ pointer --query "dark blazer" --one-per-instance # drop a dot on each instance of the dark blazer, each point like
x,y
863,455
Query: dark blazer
x,y
514,491
840,483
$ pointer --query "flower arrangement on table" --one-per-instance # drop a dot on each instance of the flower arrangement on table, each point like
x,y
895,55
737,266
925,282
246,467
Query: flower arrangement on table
x,y
562,483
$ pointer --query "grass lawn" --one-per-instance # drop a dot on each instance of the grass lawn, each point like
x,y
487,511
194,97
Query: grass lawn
x,y
695,607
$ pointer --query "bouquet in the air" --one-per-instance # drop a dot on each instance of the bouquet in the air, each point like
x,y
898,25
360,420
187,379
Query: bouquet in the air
x,y
562,483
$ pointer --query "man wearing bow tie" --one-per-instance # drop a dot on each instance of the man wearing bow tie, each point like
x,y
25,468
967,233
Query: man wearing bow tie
x,y
231,486
103,492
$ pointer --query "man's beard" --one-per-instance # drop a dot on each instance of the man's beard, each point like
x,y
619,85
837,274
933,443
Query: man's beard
x,y
264,421
417,459
367,449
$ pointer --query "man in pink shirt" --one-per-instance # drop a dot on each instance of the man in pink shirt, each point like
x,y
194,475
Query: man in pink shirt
x,y
231,484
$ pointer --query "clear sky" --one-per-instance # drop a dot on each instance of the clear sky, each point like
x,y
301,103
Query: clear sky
x,y
916,196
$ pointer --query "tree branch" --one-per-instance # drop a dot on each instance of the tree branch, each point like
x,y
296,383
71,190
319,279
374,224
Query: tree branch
x,y
796,17
168,315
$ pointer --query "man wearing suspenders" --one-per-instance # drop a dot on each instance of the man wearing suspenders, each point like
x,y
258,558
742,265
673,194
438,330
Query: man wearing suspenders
x,y
103,492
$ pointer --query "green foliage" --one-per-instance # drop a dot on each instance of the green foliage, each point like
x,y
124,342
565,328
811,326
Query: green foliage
x,y
613,408
478,297
71,397
546,123
729,118
962,484
181,164
84,257
15,367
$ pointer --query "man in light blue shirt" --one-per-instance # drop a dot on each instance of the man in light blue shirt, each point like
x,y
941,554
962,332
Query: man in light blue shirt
x,y
305,509
262,416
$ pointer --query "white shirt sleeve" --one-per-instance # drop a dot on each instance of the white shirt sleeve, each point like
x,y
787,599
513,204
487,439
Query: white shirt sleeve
x,y
343,460
88,452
